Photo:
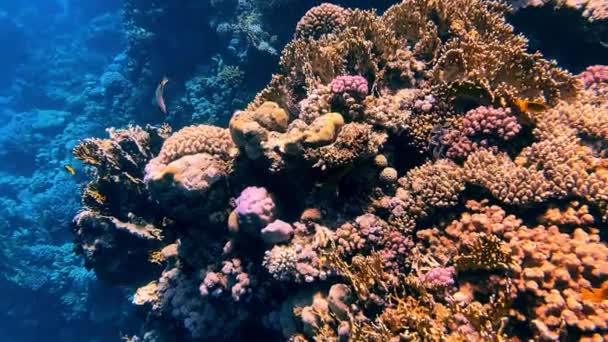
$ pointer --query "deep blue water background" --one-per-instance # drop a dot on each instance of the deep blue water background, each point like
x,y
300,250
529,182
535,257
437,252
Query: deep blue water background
x,y
53,55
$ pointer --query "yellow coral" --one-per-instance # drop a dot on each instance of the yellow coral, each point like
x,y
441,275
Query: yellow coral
x,y
324,129
487,253
249,129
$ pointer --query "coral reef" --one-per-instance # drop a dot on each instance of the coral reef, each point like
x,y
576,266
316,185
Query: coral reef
x,y
415,175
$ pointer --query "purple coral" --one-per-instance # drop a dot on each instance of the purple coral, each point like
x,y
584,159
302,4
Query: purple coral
x,y
231,277
353,85
593,75
277,232
438,277
255,208
483,127
426,104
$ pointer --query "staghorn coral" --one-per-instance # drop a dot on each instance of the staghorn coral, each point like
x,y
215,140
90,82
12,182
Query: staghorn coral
x,y
505,180
593,75
324,241
430,186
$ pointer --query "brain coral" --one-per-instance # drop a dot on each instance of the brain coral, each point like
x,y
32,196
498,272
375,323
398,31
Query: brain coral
x,y
323,19
196,139
328,212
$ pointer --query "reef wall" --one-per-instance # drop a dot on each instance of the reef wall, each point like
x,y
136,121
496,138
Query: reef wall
x,y
415,175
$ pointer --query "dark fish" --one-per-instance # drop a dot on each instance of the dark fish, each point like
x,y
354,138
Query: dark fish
x,y
160,100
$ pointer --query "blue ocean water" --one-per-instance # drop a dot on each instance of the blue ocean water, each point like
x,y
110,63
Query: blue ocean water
x,y
54,54
70,69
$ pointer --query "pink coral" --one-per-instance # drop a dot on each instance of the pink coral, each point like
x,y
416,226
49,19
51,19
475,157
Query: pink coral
x,y
230,278
438,277
277,232
550,267
484,127
255,208
353,85
594,74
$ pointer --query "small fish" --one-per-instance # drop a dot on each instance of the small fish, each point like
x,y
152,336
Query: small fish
x,y
530,106
596,295
160,101
70,169
96,196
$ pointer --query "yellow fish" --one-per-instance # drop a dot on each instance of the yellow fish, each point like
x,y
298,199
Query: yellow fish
x,y
596,295
529,106
69,169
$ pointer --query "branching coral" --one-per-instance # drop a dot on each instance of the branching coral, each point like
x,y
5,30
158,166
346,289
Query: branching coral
x,y
550,268
482,128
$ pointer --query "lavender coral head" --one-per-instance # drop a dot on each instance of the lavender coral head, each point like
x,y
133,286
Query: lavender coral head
x,y
353,85
594,74
255,208
277,232
438,277
482,128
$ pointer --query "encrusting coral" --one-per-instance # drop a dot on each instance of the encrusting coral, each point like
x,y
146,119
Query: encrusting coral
x,y
411,176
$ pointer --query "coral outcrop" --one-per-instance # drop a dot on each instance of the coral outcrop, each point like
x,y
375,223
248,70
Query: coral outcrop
x,y
416,175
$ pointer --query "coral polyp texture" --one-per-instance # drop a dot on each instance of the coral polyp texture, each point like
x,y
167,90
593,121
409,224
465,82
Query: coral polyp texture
x,y
411,176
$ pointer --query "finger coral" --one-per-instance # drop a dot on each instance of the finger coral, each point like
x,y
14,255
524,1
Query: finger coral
x,y
386,185
550,269
482,128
